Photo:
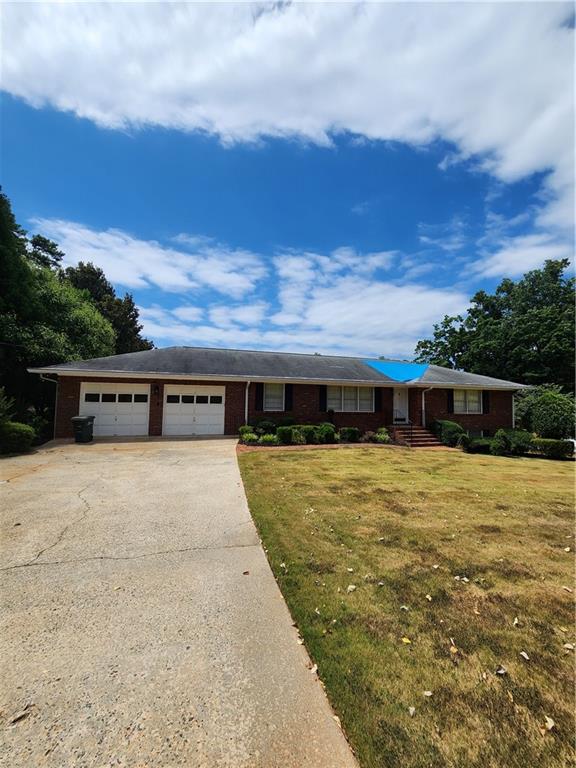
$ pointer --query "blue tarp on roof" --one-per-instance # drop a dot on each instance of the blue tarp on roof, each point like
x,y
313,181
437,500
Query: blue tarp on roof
x,y
398,371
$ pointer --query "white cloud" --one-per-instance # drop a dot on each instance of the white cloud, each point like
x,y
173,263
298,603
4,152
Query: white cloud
x,y
496,79
135,263
338,309
520,254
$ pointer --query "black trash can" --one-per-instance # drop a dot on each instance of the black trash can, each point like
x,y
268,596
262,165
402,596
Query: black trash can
x,y
83,428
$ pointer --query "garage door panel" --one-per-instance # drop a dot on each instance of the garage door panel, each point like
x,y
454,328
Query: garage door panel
x,y
193,413
119,414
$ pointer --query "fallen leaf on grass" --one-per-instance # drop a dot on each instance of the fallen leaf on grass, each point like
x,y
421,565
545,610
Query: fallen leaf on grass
x,y
524,655
404,608
314,669
516,623
351,588
411,711
406,640
428,694
549,723
568,646
500,670
566,589
245,573
429,598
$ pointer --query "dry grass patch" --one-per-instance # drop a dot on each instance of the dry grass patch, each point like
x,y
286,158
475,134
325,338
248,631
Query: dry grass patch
x,y
401,526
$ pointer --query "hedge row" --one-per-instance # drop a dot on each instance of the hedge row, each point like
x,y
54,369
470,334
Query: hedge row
x,y
517,442
268,433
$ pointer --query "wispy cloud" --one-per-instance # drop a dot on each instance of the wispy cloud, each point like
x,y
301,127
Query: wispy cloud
x,y
135,263
494,79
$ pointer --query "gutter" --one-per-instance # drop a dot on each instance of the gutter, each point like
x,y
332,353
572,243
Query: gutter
x,y
54,381
424,405
246,403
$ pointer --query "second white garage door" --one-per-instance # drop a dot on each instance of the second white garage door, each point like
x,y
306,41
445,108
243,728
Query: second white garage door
x,y
193,410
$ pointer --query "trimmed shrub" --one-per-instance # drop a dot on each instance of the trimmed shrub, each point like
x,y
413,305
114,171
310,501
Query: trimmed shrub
x,y
15,437
479,445
553,416
265,427
298,436
382,437
309,432
368,437
284,435
245,429
268,440
511,442
448,432
350,434
327,433
249,438
553,449
520,441
500,444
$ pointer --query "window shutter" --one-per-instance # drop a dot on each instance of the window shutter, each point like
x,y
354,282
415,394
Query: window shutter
x,y
259,406
485,401
322,390
377,399
450,404
288,397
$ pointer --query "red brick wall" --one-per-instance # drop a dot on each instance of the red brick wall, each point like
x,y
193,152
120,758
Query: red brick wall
x,y
499,416
69,402
306,409
306,402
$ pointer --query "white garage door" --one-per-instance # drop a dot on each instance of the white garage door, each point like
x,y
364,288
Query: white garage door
x,y
191,410
120,409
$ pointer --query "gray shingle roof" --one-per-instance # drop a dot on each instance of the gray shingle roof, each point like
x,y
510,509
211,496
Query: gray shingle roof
x,y
254,365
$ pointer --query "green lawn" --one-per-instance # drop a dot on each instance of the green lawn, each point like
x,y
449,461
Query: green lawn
x,y
401,526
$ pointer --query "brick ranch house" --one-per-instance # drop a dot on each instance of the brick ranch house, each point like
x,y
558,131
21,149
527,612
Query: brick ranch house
x,y
197,391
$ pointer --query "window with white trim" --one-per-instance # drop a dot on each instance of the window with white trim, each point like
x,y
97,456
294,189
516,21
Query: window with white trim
x,y
467,401
273,397
350,399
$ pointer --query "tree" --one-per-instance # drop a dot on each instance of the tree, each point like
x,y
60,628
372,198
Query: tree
x,y
523,332
553,415
44,252
121,313
44,319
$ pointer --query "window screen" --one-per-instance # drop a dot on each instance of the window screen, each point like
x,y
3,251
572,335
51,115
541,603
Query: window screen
x,y
273,397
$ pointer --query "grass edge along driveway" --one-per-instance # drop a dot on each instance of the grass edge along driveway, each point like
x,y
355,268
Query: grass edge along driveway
x,y
432,590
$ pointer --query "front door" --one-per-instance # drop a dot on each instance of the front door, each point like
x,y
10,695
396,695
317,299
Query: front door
x,y
400,405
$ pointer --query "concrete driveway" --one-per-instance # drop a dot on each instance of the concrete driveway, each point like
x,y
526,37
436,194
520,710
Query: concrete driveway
x,y
142,625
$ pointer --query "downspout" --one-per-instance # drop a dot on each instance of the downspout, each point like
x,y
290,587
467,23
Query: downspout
x,y
424,405
54,381
513,410
246,403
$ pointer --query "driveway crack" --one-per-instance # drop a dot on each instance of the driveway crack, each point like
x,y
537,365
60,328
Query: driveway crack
x,y
35,562
64,530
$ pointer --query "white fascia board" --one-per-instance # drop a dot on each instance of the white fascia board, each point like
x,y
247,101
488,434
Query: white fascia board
x,y
79,373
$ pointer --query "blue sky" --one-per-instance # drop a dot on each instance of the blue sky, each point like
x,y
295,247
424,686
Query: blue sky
x,y
248,201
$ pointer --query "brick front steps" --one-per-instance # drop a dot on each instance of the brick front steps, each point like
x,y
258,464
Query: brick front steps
x,y
415,437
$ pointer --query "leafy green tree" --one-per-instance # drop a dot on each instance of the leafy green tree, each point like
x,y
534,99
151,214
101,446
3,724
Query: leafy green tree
x,y
44,319
523,332
553,416
121,313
